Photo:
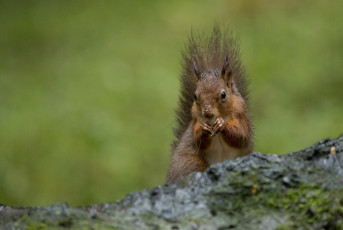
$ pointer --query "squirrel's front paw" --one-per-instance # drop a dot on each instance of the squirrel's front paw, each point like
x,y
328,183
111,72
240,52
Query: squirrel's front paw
x,y
218,125
206,128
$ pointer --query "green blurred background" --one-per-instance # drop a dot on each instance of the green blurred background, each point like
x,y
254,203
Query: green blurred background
x,y
88,88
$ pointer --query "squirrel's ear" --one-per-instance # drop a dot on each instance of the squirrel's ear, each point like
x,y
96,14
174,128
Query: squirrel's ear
x,y
196,69
227,71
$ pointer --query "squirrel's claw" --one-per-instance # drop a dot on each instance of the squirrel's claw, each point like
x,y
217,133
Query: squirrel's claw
x,y
207,128
218,125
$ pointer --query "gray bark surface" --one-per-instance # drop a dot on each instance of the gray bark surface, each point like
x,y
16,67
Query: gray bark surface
x,y
300,190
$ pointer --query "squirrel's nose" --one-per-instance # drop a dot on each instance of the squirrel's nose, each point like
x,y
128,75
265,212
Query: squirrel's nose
x,y
207,113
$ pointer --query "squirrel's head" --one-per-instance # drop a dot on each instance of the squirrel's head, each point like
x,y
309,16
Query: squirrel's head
x,y
212,97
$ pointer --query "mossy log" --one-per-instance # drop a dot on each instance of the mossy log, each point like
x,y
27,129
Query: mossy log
x,y
300,190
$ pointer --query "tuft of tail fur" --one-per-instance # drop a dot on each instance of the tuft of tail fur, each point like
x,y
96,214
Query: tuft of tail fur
x,y
209,53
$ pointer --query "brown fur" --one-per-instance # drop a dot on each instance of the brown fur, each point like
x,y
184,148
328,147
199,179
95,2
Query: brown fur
x,y
202,121
238,132
185,159
199,139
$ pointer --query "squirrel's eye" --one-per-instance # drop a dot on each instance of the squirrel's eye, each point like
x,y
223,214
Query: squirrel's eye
x,y
195,97
223,95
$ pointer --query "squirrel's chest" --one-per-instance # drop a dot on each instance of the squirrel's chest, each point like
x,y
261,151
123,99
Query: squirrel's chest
x,y
219,151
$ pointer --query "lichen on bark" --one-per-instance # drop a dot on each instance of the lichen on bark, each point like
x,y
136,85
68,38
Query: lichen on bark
x,y
300,190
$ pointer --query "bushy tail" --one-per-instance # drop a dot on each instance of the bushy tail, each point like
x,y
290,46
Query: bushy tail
x,y
208,52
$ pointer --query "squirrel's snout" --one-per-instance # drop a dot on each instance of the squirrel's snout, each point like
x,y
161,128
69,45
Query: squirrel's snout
x,y
207,113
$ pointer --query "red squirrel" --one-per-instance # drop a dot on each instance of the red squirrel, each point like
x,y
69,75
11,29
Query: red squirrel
x,y
213,121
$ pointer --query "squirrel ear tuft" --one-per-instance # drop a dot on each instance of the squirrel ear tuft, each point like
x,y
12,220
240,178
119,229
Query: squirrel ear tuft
x,y
226,70
196,69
